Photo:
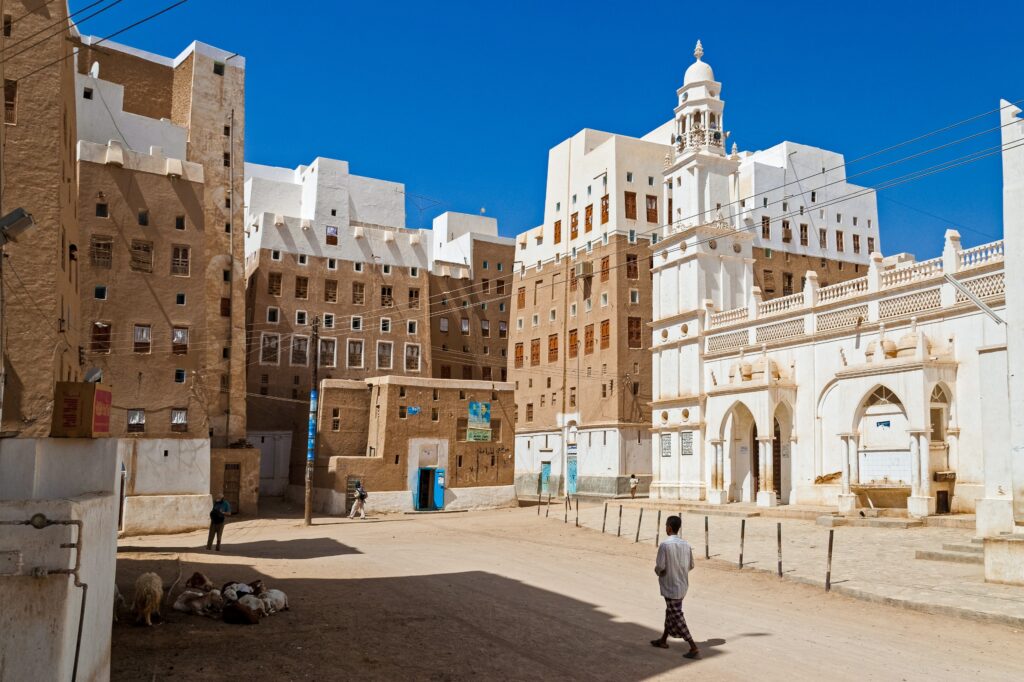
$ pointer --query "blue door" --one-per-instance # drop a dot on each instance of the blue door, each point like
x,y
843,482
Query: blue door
x,y
545,476
570,479
438,488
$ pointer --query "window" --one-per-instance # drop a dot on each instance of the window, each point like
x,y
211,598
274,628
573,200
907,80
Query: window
x,y
143,218
814,197
384,354
519,353
502,329
218,68
332,264
630,205
529,412
632,266
534,352
386,269
330,290
521,297
142,256
386,298
634,335
179,340
553,348
871,244
328,320
634,296
136,420
588,218
335,419
787,283
464,326
142,338
766,227
768,278
839,240
300,351
485,328
328,352
300,317
101,251
100,293
787,233
856,243
269,346
180,256
303,259
412,357
632,237
574,225
358,293
606,334
803,235
302,287
356,323
572,396
11,107
823,238
442,325
8,25
839,217
588,339
357,266
558,231
652,208
604,209
604,299
227,159
355,353
100,340
414,297
275,255
332,235
274,284
179,224
410,326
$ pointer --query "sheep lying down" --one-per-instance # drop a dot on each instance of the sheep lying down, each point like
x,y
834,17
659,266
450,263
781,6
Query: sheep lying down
x,y
200,603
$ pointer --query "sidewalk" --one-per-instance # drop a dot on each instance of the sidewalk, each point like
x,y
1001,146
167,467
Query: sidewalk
x,y
874,564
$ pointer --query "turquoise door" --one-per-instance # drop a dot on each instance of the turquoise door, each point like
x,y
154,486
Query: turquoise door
x,y
438,489
545,476
570,479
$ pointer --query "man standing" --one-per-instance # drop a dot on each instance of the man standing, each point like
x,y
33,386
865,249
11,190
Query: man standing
x,y
360,500
221,509
675,561
633,483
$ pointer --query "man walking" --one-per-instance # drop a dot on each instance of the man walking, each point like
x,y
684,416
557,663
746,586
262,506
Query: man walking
x,y
221,509
673,566
359,503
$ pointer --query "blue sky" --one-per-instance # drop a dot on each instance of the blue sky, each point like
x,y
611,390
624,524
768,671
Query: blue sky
x,y
462,100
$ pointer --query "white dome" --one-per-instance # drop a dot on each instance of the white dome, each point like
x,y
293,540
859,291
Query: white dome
x,y
699,71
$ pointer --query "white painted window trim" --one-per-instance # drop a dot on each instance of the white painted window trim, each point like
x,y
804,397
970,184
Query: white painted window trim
x,y
391,355
362,355
263,335
405,351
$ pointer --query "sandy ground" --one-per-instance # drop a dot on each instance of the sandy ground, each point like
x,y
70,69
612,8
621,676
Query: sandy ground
x,y
505,595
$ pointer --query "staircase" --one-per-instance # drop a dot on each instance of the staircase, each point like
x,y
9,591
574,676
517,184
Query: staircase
x,y
960,553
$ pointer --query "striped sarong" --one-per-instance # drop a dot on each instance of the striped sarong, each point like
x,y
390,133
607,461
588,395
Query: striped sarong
x,y
675,622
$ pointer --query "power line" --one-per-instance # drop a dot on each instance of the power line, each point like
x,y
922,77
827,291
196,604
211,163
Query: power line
x,y
60,31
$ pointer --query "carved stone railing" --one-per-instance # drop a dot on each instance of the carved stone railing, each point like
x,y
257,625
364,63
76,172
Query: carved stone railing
x,y
728,316
912,273
847,289
981,255
780,305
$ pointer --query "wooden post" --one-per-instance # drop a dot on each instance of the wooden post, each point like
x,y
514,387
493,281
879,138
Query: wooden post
x,y
547,512
828,568
743,532
779,527
638,522
577,512
657,530
619,533
707,548
565,508
604,519
540,502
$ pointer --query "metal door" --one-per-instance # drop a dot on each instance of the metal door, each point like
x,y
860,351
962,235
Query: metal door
x,y
232,484
545,476
438,489
570,479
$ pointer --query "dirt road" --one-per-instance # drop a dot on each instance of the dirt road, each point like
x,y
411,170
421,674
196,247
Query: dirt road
x,y
505,595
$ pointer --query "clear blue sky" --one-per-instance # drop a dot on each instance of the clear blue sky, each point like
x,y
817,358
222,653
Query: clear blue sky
x,y
462,100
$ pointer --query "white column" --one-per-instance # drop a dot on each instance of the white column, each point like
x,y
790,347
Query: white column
x,y
921,503
846,462
915,466
766,493
953,450
924,447
854,446
847,499
716,490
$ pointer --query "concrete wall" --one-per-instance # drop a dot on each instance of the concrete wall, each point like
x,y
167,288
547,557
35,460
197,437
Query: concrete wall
x,y
168,485
66,480
334,503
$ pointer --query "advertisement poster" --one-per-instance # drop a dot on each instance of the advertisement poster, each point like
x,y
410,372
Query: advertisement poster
x,y
479,423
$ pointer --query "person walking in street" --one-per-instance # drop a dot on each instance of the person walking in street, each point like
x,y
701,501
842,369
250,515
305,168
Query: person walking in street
x,y
221,510
633,483
360,502
673,566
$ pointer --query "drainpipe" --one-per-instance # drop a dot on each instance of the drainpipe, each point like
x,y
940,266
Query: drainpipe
x,y
39,521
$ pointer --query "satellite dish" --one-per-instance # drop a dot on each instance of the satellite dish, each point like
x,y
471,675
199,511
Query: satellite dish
x,y
94,376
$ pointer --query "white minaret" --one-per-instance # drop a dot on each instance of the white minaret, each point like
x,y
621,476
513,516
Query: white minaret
x,y
699,175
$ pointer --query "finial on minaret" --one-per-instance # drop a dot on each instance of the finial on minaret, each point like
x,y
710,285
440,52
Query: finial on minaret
x,y
698,51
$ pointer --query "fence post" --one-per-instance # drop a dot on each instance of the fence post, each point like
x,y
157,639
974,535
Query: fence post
x,y
619,533
540,502
638,522
547,511
743,532
577,512
828,568
657,529
707,547
779,527
565,508
604,519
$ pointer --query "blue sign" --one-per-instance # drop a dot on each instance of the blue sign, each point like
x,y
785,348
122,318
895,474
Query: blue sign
x,y
311,440
411,411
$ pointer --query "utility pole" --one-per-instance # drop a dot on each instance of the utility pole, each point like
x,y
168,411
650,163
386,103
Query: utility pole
x,y
311,432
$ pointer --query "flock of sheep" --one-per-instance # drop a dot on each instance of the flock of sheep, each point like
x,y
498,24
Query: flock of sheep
x,y
235,602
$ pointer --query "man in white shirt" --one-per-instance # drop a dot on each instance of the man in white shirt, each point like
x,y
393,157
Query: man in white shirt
x,y
675,561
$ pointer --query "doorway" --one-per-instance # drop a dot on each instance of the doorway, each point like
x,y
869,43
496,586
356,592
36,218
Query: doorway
x,y
430,489
570,476
755,464
777,459
545,477
232,484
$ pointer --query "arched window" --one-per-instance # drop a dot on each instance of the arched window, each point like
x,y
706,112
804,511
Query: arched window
x,y
883,396
938,415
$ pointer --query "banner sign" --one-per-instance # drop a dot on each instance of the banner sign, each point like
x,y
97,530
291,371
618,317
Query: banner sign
x,y
478,426
311,435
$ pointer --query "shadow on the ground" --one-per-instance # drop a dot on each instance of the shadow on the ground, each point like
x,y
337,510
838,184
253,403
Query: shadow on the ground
x,y
298,548
472,625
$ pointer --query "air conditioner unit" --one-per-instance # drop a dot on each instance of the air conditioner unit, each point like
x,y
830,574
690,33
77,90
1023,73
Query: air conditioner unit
x,y
584,269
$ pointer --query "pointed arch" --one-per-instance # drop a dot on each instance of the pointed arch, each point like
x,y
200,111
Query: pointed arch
x,y
879,394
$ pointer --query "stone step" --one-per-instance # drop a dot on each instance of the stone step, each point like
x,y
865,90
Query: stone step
x,y
970,548
966,521
869,522
954,557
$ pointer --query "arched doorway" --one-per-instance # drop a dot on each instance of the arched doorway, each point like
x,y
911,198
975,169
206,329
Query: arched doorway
x,y
739,435
782,462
